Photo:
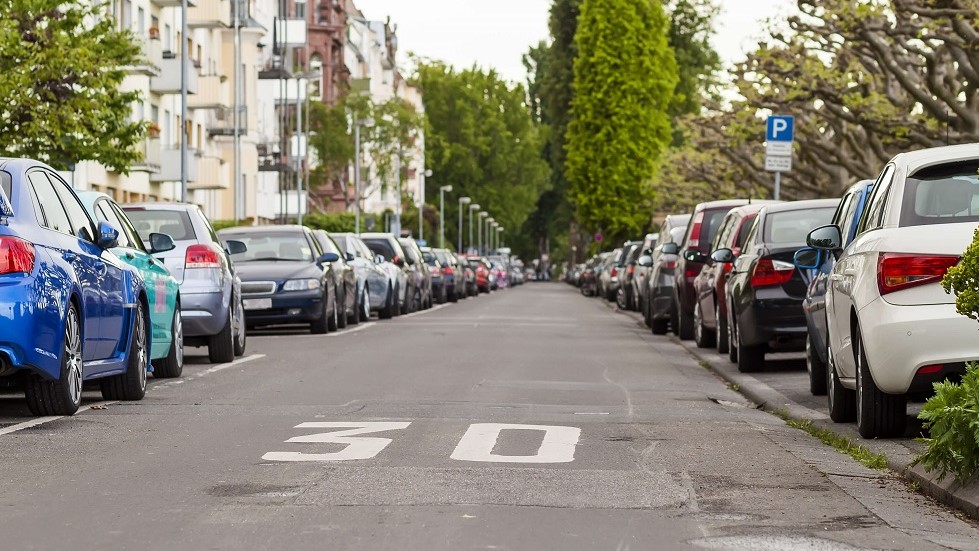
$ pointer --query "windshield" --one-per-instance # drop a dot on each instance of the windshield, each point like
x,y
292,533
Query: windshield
x,y
792,226
175,223
273,247
944,194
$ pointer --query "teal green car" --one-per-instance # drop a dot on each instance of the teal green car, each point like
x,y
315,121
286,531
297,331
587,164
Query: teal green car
x,y
162,289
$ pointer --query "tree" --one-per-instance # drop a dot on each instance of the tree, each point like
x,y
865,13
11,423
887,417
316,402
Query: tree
x,y
624,78
691,25
62,64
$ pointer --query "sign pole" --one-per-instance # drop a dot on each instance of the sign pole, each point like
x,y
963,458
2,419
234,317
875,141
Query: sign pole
x,y
778,183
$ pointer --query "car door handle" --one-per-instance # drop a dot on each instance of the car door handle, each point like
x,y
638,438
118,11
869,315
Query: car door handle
x,y
131,256
849,272
70,256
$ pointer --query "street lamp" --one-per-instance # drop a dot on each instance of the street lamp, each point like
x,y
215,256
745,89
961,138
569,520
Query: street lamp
x,y
302,140
472,207
493,240
462,201
442,191
489,222
499,236
479,231
357,124
421,206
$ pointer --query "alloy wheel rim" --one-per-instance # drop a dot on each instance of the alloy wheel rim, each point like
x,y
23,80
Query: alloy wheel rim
x,y
178,338
74,357
698,329
140,337
366,305
859,353
240,325
808,356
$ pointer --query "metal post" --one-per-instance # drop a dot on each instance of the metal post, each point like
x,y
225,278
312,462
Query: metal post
x,y
299,161
357,176
239,193
442,191
183,101
305,157
396,219
778,184
421,207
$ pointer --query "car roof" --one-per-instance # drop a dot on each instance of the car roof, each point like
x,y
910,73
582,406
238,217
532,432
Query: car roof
x,y
282,228
377,235
802,205
20,164
752,208
725,203
914,160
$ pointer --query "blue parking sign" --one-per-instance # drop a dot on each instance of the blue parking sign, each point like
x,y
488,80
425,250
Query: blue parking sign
x,y
780,128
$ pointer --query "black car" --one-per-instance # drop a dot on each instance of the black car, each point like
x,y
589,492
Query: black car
x,y
286,278
347,294
764,289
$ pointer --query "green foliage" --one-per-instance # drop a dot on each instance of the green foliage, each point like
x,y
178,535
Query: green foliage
x,y
62,64
332,222
963,280
330,138
691,25
482,139
219,225
842,444
952,419
624,78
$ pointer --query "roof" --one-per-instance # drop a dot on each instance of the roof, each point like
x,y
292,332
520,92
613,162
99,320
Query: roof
x,y
283,228
913,160
803,205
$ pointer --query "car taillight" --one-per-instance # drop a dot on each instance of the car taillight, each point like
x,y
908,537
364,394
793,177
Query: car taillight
x,y
201,256
897,271
631,269
614,272
691,273
667,264
447,270
16,256
768,272
930,369
698,221
728,266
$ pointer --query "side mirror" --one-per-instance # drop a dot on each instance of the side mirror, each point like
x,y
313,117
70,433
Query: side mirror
x,y
328,258
108,236
645,261
695,256
723,256
233,246
161,243
808,258
398,261
670,248
379,259
350,257
648,252
826,238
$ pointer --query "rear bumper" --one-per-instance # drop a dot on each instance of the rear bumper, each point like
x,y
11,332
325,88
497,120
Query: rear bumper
x,y
661,301
204,314
31,330
296,307
778,323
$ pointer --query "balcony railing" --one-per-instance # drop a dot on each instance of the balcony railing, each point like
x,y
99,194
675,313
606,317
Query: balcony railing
x,y
169,80
152,59
170,165
272,159
210,14
149,150
214,173
221,122
174,3
213,92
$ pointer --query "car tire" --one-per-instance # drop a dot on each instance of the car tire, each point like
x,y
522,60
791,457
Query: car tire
x,y
702,336
732,341
879,414
684,325
333,320
131,385
842,401
221,347
751,359
721,336
674,318
173,364
644,308
241,332
321,326
390,305
364,312
63,396
816,368
341,310
417,302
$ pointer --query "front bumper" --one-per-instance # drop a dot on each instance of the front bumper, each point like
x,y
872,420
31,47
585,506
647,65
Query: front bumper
x,y
899,340
288,308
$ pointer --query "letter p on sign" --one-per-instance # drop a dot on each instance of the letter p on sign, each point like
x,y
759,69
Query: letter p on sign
x,y
780,128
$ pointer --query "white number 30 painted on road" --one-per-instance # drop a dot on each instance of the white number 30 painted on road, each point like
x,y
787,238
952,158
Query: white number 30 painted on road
x,y
557,445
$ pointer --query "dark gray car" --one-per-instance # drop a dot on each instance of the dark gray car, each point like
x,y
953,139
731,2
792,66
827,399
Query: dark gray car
x,y
387,247
421,273
659,286
374,283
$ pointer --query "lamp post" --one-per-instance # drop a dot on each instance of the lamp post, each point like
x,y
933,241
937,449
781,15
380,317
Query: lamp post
x,y
462,201
486,242
479,230
442,191
302,141
421,205
499,236
473,207
494,241
357,124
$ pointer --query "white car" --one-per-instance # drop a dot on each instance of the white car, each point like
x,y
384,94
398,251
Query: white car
x,y
892,328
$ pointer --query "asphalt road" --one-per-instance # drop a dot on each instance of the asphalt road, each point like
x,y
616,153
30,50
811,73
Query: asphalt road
x,y
530,419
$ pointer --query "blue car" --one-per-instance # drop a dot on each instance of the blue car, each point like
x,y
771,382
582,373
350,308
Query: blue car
x,y
70,310
820,265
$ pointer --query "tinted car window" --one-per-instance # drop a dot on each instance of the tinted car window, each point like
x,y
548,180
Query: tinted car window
x,y
873,215
175,223
55,217
103,213
792,226
846,221
381,247
127,228
329,245
743,228
273,246
723,237
81,224
943,194
410,252
5,184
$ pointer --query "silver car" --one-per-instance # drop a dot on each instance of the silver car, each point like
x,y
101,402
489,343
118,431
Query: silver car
x,y
210,290
659,312
373,280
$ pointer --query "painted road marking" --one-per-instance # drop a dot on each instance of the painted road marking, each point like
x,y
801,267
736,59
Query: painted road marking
x,y
48,419
557,446
357,448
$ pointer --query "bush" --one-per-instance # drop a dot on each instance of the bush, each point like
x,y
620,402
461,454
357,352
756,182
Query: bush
x,y
219,225
951,416
332,222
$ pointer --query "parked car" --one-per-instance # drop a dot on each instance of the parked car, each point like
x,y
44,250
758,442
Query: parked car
x,y
608,274
624,296
660,308
892,328
710,311
452,278
588,280
469,275
347,291
286,278
376,283
73,311
640,279
691,255
387,247
814,305
440,293
764,290
162,290
421,273
210,289
484,276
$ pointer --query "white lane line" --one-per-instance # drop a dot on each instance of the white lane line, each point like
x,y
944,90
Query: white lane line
x,y
48,419
429,311
360,327
222,367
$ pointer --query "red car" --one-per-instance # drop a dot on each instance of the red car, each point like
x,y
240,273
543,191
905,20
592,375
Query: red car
x,y
481,266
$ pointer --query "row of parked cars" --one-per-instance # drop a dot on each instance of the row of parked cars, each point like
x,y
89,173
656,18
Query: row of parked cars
x,y
854,282
100,293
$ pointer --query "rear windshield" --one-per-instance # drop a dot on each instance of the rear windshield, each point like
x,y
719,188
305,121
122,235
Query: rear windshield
x,y
175,223
429,257
381,247
272,247
792,226
329,246
944,194
708,229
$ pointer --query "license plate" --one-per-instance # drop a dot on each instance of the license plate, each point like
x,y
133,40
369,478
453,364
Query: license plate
x,y
257,303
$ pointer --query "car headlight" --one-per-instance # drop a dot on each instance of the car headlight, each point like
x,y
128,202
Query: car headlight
x,y
301,285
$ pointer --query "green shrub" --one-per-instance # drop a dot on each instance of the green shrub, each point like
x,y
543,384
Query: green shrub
x,y
332,222
219,225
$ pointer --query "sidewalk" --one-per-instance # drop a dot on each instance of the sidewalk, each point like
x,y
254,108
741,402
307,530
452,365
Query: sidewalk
x,y
783,388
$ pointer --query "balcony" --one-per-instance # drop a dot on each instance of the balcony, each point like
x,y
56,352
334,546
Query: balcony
x,y
210,14
151,60
149,150
173,3
213,92
272,159
274,70
291,33
169,80
213,173
221,122
170,165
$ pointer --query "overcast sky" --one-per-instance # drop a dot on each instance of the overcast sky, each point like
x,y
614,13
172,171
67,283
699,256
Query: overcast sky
x,y
497,33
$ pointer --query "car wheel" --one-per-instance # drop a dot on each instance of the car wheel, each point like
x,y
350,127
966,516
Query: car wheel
x,y
131,385
173,365
701,335
816,368
333,320
721,336
620,299
674,318
879,415
750,358
685,325
340,309
842,401
63,396
364,312
241,331
644,307
732,339
387,312
221,348
321,326
417,302
354,318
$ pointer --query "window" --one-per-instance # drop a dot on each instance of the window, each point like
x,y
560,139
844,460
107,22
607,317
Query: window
x,y
847,222
126,227
743,229
723,237
942,194
141,21
52,213
873,214
103,213
273,246
301,10
167,37
175,223
81,224
5,184
792,226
